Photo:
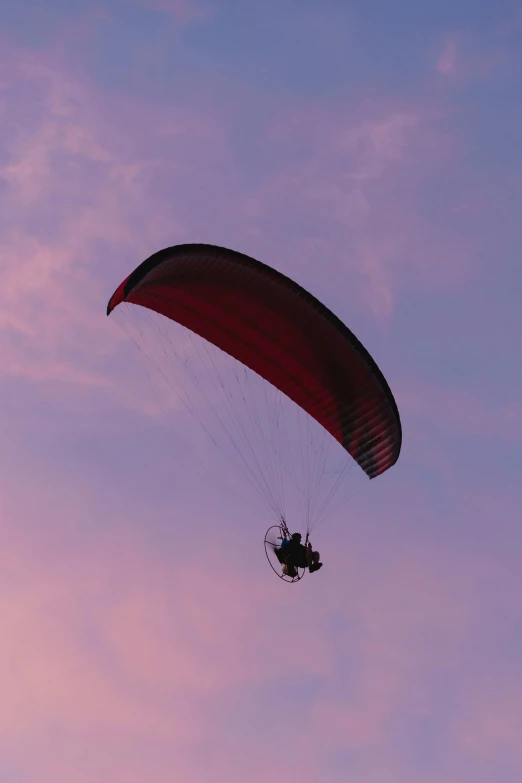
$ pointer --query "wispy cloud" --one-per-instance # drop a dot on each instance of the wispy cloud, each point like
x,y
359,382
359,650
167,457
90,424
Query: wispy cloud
x,y
447,62
74,196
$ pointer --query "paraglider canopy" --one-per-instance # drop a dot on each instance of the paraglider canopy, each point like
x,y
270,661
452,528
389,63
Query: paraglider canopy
x,y
284,334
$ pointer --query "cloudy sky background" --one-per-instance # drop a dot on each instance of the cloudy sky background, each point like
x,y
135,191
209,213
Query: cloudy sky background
x,y
371,152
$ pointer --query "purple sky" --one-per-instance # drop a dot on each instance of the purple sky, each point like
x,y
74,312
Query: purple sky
x,y
371,151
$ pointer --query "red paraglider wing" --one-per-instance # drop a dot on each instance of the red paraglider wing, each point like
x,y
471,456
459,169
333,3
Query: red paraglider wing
x,y
276,328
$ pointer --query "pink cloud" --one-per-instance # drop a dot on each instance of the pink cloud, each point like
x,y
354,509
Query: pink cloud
x,y
148,633
464,58
381,143
88,179
449,58
73,197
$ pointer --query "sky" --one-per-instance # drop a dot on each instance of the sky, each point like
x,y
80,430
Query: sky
x,y
371,152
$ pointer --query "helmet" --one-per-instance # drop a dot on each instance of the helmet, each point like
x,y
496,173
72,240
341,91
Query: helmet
x,y
296,536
